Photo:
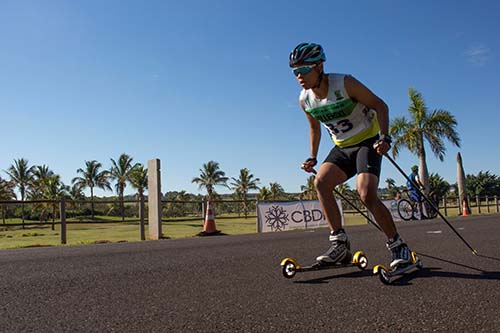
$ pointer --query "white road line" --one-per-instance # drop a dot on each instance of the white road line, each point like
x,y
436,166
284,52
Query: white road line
x,y
434,232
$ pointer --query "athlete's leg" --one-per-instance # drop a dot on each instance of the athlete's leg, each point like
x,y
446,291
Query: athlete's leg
x,y
368,167
367,185
329,175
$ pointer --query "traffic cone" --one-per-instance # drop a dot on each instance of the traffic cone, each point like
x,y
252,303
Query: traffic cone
x,y
465,208
209,225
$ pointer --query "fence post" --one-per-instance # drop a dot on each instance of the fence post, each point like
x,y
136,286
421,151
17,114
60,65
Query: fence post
x,y
445,206
496,202
478,203
459,205
487,205
141,217
154,199
63,220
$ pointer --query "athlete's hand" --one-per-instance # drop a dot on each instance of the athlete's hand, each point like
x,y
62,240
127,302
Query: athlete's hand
x,y
381,147
309,164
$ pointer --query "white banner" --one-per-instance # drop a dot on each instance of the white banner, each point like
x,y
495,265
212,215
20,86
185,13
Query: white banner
x,y
392,206
280,216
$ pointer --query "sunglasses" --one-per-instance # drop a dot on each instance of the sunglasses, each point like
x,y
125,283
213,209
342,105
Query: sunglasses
x,y
303,69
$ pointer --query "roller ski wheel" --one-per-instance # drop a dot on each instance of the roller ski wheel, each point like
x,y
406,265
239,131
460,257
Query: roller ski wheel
x,y
290,266
385,274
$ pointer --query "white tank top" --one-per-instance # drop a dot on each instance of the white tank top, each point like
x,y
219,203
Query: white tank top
x,y
348,121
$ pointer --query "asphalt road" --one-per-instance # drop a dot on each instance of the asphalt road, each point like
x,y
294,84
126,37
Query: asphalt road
x,y
234,283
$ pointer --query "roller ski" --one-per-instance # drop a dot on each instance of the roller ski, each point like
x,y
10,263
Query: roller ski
x,y
290,266
403,260
337,256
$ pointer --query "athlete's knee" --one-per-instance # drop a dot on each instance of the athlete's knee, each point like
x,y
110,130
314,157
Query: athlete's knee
x,y
369,198
323,185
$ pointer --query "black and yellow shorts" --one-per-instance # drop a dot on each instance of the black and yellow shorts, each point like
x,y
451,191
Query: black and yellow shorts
x,y
360,158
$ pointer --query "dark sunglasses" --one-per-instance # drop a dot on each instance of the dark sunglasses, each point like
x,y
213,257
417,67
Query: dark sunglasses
x,y
303,69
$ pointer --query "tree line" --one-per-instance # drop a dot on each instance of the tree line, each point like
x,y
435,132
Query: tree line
x,y
422,127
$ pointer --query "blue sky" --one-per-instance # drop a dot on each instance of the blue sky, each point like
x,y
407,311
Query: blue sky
x,y
192,81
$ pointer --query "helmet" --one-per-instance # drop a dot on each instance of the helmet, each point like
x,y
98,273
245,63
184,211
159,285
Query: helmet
x,y
307,53
414,168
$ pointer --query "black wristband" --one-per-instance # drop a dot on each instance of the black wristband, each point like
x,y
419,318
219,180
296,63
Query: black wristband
x,y
386,138
313,160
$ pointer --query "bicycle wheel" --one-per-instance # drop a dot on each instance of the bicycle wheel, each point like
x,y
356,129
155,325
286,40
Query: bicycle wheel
x,y
405,209
431,212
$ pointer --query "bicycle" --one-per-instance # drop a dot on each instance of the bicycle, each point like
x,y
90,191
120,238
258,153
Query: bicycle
x,y
408,209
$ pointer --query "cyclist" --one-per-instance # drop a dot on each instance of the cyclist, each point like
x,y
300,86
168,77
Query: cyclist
x,y
413,193
353,116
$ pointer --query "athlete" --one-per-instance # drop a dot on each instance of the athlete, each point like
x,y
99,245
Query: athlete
x,y
357,121
413,191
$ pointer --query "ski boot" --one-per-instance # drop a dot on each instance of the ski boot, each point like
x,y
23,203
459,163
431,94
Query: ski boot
x,y
403,260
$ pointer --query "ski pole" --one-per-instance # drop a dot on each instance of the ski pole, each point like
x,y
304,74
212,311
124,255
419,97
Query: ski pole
x,y
356,208
430,203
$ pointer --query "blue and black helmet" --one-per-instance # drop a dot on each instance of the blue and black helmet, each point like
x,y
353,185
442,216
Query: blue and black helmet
x,y
307,53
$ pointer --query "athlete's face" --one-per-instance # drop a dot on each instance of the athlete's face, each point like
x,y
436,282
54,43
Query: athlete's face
x,y
307,74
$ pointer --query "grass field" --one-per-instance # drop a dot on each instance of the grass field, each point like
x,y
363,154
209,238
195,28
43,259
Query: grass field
x,y
90,233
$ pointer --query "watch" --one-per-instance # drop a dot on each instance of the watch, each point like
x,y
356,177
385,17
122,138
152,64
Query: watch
x,y
386,138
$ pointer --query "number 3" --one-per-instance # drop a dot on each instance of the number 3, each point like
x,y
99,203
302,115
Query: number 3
x,y
345,125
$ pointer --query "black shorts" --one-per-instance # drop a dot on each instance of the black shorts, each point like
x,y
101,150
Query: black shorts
x,y
357,159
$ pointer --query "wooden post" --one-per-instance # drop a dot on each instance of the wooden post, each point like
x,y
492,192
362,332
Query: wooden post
x,y
445,206
154,199
459,205
487,205
63,220
141,217
496,203
478,203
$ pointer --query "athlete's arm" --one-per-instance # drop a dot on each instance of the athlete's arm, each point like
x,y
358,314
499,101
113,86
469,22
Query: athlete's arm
x,y
314,136
365,96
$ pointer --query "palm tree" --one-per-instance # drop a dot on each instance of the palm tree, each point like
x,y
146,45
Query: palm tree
x,y
138,178
22,176
438,186
75,193
343,188
120,172
309,190
54,189
391,187
276,191
42,172
423,126
6,190
92,177
38,187
210,177
6,194
242,185
264,194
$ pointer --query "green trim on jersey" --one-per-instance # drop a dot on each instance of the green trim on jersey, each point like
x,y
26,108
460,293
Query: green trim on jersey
x,y
333,111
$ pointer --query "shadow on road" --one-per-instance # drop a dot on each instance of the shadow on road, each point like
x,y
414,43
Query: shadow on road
x,y
487,257
427,272
325,279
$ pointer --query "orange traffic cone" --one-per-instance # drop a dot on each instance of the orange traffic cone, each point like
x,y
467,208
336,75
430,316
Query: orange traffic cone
x,y
209,225
465,208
